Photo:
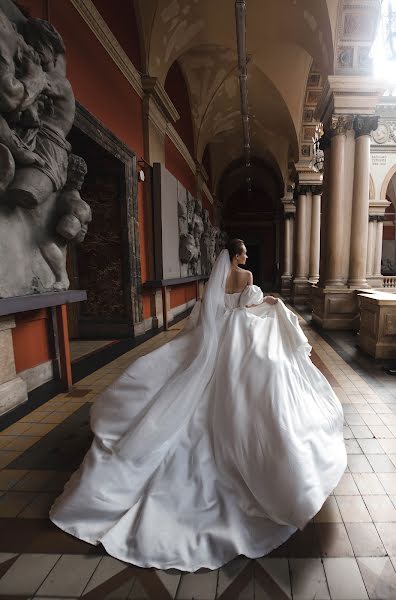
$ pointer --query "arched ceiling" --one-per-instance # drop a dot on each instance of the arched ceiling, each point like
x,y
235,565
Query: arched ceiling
x,y
284,37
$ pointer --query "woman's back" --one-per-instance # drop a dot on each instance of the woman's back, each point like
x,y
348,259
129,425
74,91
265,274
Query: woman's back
x,y
237,280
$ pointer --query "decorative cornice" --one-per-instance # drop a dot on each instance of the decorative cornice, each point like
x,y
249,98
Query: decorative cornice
x,y
348,95
208,193
200,169
364,125
100,29
154,114
153,88
180,145
378,207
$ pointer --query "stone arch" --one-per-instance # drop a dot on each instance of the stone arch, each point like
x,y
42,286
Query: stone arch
x,y
371,188
386,181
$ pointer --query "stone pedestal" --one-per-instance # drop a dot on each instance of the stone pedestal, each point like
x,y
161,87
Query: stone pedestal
x,y
335,308
13,390
377,335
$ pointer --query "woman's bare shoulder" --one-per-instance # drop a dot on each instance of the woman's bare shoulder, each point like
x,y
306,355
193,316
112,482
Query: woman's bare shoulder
x,y
249,278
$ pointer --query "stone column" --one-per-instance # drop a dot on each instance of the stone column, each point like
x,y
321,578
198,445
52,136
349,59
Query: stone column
x,y
288,248
314,253
360,202
335,213
378,246
300,269
370,245
301,288
13,389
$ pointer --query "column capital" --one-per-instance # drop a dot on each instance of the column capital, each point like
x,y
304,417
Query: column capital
x,y
302,189
316,190
364,125
373,218
340,124
380,218
289,216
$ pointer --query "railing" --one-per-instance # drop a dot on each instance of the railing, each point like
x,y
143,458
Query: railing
x,y
389,281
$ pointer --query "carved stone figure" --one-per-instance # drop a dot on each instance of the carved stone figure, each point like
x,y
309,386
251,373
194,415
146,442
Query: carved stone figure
x,y
32,185
73,216
188,252
40,205
182,215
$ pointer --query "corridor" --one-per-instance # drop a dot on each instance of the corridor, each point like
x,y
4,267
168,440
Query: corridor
x,y
348,552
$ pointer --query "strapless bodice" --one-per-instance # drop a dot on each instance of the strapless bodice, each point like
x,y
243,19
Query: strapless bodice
x,y
251,294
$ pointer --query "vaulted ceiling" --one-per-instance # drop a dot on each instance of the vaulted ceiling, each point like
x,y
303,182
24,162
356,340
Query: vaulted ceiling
x,y
284,39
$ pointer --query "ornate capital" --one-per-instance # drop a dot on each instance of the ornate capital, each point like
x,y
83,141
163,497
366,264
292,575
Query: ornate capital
x,y
288,216
380,218
316,190
340,124
303,190
365,125
373,218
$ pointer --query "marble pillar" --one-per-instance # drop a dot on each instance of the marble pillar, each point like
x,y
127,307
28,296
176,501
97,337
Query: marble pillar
x,y
301,286
378,247
360,202
314,252
372,227
300,245
335,213
288,248
13,390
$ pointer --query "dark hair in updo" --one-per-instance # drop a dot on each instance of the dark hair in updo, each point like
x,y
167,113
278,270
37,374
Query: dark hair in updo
x,y
235,247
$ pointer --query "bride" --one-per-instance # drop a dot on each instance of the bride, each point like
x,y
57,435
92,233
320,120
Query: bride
x,y
222,442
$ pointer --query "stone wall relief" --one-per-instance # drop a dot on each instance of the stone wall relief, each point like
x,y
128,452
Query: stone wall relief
x,y
41,209
199,241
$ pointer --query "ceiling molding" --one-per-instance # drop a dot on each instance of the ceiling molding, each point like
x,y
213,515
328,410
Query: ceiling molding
x,y
181,146
207,193
153,87
100,29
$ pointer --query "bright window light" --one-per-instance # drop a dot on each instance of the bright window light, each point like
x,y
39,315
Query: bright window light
x,y
383,51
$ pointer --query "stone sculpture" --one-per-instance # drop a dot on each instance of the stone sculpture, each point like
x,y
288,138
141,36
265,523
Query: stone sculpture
x,y
40,205
199,241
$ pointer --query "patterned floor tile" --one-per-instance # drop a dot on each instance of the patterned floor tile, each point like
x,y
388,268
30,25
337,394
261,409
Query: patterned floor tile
x,y
27,573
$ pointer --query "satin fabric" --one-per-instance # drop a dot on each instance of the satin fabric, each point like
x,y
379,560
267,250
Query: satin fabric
x,y
253,462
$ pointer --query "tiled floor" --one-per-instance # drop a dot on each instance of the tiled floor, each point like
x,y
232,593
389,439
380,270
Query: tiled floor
x,y
82,348
348,552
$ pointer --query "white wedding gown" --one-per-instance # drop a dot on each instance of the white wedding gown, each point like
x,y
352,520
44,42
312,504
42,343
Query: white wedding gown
x,y
222,442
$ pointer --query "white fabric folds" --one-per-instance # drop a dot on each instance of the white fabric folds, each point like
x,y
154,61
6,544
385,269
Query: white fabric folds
x,y
222,442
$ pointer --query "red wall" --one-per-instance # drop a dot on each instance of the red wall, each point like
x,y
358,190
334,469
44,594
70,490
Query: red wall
x,y
121,19
182,294
30,339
